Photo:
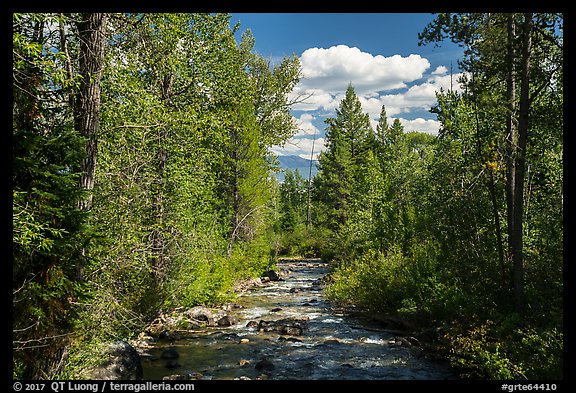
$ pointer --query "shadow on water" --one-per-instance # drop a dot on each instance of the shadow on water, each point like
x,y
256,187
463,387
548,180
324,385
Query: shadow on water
x,y
295,334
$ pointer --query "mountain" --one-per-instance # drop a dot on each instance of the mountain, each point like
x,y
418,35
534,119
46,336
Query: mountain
x,y
296,162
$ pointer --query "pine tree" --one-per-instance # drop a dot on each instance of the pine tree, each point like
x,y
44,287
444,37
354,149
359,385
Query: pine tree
x,y
348,138
48,227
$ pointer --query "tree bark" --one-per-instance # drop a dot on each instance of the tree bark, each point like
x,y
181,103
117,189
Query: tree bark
x,y
511,137
87,106
520,164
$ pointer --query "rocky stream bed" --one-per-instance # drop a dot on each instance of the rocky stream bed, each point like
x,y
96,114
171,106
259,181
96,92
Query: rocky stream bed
x,y
282,328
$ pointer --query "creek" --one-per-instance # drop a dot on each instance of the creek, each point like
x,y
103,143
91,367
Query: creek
x,y
332,345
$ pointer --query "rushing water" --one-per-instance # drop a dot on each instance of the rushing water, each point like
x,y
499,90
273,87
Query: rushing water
x,y
333,346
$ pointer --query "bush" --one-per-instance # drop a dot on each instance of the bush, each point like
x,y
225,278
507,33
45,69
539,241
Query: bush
x,y
493,350
303,242
479,354
372,280
541,351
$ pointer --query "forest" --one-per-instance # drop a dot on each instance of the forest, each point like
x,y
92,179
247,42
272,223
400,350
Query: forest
x,y
143,180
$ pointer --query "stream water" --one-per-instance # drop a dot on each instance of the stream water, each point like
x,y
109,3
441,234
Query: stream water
x,y
332,346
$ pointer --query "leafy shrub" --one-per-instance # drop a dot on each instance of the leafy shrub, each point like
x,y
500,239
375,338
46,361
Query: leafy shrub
x,y
491,350
373,280
480,355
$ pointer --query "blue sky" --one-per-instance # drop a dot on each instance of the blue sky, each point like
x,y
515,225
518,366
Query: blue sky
x,y
377,52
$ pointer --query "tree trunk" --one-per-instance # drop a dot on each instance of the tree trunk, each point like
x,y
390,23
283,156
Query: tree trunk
x,y
511,137
516,244
87,106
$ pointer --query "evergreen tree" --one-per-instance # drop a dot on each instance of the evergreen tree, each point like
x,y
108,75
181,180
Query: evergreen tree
x,y
382,127
337,187
48,227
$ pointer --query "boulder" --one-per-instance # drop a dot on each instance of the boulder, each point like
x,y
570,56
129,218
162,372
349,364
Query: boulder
x,y
289,330
122,362
228,320
266,326
273,276
204,314
252,324
287,326
401,342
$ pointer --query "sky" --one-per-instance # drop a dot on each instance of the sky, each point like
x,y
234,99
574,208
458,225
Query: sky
x,y
377,52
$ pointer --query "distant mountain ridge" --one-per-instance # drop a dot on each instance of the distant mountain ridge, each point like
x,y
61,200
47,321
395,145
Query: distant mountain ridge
x,y
296,162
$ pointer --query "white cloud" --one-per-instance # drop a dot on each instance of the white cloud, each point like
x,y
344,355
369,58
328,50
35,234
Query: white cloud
x,y
440,70
327,69
327,72
417,97
421,125
305,126
301,147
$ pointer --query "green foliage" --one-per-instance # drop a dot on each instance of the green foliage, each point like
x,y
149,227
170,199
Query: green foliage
x,y
182,167
48,228
482,356
425,239
373,280
185,205
182,202
271,86
293,201
337,188
207,282
499,350
303,241
542,352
